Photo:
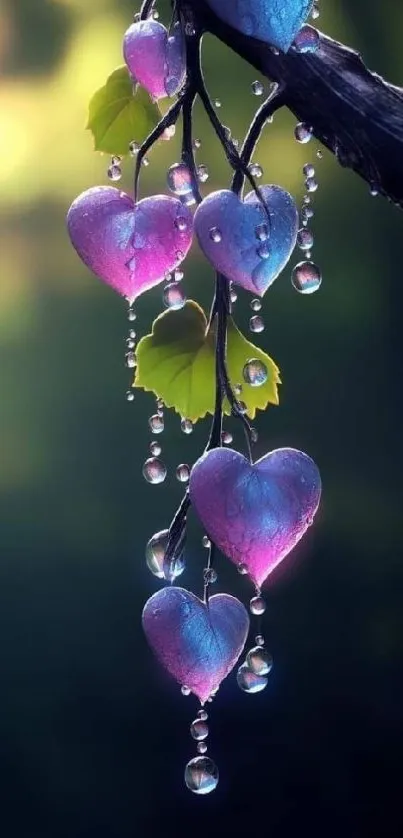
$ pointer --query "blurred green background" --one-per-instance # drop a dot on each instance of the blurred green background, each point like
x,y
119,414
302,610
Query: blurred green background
x,y
93,736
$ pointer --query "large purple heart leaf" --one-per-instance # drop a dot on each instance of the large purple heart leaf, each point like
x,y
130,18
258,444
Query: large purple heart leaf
x,y
155,58
255,513
250,243
198,643
130,246
276,22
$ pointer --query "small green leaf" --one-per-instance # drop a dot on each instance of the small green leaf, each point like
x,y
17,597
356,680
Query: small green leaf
x,y
177,363
119,114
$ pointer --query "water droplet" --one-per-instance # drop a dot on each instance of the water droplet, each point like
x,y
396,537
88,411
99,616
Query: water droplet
x,y
181,224
256,323
303,133
134,148
182,473
210,576
129,396
155,555
130,360
373,191
179,179
178,275
256,304
199,730
145,162
201,747
114,173
262,232
306,214
206,542
306,277
259,660
257,606
255,170
315,11
155,449
308,170
319,154
248,681
255,372
185,690
156,423
226,438
263,250
186,426
154,471
130,343
242,569
173,296
215,235
202,714
237,389
202,173
131,314
307,40
233,296
217,103
311,184
259,639
305,239
257,88
201,775
169,132
179,255
196,143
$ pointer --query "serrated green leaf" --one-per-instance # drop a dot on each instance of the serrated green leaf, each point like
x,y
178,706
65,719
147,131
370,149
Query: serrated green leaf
x,y
177,363
117,114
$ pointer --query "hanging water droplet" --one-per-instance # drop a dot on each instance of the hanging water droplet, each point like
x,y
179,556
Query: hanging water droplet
x,y
311,184
182,473
114,173
255,170
307,40
130,360
263,250
155,449
256,323
186,426
202,173
130,343
131,314
255,372
373,191
315,11
185,690
145,162
306,214
134,148
306,277
226,438
256,304
178,275
215,235
308,170
129,396
242,569
257,88
259,640
248,681
305,239
196,143
154,471
217,103
210,576
201,747
155,555
199,730
257,606
233,296
259,660
206,542
303,133
156,423
179,179
203,715
173,296
201,775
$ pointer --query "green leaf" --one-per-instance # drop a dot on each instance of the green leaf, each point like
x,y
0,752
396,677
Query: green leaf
x,y
119,114
177,363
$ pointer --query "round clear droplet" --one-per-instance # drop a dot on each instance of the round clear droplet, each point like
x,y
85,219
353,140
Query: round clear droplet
x,y
202,714
242,569
155,449
129,396
226,438
199,730
257,606
255,170
154,471
182,473
156,423
130,360
201,747
311,184
259,660
210,576
173,296
257,88
256,304
185,690
255,372
134,148
215,235
309,170
114,173
307,40
202,173
201,775
186,426
206,542
256,324
259,640
303,133
155,555
306,277
248,681
305,239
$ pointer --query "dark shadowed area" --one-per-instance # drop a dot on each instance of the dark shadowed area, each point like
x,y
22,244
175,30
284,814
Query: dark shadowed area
x,y
94,736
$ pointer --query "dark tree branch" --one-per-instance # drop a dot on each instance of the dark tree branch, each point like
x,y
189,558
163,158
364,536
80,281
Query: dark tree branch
x,y
353,112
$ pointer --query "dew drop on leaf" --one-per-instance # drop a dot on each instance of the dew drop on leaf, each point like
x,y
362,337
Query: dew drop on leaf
x,y
155,555
303,133
255,372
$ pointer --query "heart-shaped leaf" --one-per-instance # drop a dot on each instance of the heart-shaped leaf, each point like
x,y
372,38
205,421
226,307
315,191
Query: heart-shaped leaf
x,y
119,114
177,363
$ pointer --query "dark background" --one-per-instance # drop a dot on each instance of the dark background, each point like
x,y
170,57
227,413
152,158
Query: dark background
x,y
93,735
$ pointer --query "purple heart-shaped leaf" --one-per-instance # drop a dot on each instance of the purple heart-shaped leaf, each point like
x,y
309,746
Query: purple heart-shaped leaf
x,y
130,246
155,58
255,513
197,642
